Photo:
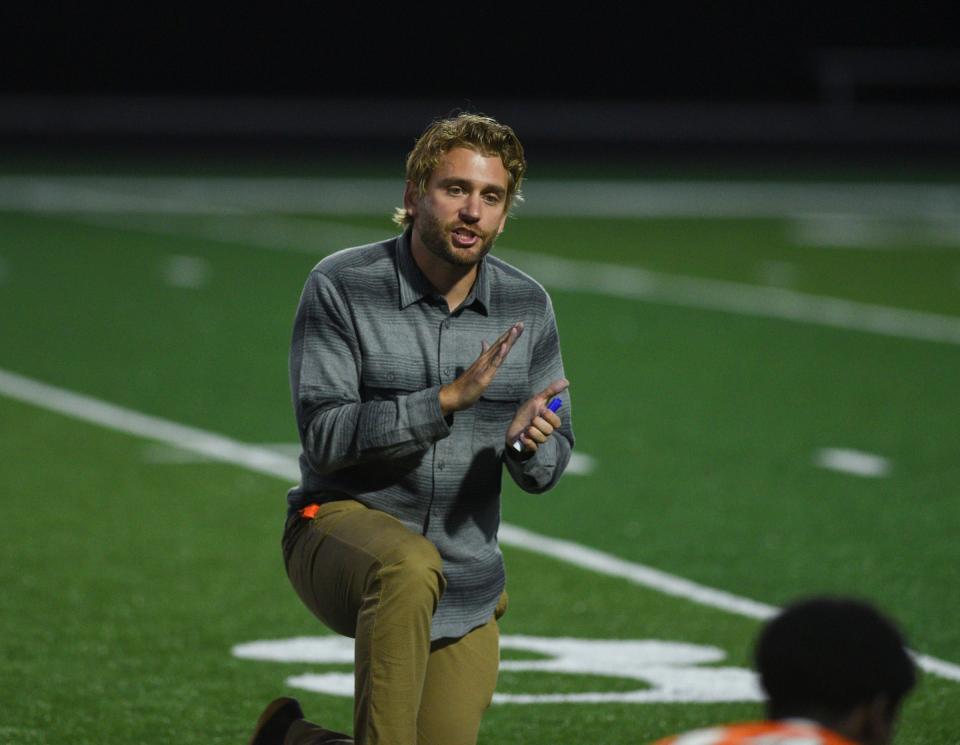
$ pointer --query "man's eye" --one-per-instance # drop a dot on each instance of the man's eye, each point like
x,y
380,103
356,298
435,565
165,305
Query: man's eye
x,y
491,198
455,191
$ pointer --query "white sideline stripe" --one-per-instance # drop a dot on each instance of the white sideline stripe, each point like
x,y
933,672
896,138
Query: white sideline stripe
x,y
604,563
313,237
734,297
874,232
936,666
118,418
613,280
261,460
547,198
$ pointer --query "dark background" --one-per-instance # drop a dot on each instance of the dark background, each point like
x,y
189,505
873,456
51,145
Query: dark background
x,y
762,81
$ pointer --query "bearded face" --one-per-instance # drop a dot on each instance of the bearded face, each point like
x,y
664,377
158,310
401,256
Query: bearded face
x,y
445,241
463,209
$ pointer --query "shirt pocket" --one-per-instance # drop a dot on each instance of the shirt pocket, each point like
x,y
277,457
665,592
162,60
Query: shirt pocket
x,y
494,411
386,375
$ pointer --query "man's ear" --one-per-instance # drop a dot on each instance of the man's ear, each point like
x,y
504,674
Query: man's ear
x,y
411,195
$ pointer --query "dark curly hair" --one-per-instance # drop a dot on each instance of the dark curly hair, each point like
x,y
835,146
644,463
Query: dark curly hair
x,y
831,654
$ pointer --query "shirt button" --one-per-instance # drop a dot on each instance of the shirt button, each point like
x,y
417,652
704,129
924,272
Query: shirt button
x,y
440,465
445,324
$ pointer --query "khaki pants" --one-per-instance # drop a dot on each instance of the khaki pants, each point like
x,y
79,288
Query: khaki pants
x,y
366,576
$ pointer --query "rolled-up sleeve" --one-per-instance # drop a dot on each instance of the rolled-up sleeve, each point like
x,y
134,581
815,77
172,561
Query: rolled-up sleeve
x,y
337,428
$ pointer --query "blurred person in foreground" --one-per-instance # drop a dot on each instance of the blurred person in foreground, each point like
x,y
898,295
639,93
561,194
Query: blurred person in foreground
x,y
420,367
835,672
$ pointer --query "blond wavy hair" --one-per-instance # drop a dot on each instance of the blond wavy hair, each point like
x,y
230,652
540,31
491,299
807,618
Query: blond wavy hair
x,y
477,132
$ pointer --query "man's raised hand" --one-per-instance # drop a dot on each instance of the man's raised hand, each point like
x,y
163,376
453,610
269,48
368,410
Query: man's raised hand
x,y
463,392
534,422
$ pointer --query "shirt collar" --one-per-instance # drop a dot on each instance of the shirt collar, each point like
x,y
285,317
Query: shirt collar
x,y
414,286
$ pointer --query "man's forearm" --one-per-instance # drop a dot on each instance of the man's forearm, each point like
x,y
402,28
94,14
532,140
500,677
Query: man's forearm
x,y
337,436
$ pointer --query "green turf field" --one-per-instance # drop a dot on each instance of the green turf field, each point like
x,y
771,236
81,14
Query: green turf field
x,y
131,569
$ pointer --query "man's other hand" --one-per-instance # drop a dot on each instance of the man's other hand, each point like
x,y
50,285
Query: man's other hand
x,y
463,392
534,422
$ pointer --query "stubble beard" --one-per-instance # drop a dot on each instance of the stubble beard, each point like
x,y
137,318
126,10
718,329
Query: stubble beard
x,y
436,239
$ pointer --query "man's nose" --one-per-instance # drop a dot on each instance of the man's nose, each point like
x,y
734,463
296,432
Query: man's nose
x,y
470,210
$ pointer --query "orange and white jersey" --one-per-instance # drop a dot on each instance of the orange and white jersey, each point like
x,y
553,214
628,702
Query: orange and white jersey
x,y
785,732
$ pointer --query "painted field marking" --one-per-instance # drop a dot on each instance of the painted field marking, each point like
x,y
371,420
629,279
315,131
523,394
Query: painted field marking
x,y
619,281
276,233
734,297
639,574
854,462
671,672
581,464
547,198
120,419
260,460
874,232
188,272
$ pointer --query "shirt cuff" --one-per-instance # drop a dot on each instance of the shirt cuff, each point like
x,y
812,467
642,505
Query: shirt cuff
x,y
425,415
538,472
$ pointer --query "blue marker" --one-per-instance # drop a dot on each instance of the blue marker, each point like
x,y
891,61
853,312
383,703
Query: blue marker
x,y
554,406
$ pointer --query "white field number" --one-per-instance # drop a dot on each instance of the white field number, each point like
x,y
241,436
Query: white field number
x,y
671,672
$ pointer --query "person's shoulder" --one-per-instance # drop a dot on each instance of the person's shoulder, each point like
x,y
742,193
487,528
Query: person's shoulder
x,y
729,734
506,278
759,733
369,259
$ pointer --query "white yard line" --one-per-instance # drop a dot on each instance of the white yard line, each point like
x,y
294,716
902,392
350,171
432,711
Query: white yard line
x,y
639,574
131,422
610,280
262,460
276,233
875,232
733,297
547,198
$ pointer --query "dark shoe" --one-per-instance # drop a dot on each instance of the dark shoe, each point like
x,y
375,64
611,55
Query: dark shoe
x,y
276,719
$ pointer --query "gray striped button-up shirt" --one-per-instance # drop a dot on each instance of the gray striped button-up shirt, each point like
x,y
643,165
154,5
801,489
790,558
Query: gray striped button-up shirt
x,y
372,344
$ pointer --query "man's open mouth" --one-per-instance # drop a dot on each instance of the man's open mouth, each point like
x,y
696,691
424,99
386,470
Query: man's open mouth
x,y
463,238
